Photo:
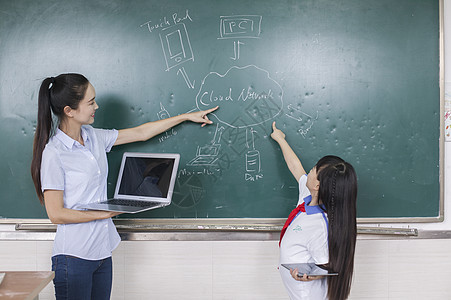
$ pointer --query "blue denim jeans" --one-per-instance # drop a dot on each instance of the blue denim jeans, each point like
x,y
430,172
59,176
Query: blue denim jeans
x,y
82,279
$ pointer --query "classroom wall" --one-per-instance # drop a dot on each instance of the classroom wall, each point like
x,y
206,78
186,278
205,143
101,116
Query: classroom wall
x,y
384,269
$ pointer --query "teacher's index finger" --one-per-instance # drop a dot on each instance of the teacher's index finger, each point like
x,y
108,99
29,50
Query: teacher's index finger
x,y
211,109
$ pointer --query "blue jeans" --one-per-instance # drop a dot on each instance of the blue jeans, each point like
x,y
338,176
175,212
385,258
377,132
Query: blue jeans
x,y
82,279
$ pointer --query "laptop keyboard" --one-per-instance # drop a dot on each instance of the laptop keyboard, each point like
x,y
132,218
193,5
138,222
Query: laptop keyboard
x,y
136,203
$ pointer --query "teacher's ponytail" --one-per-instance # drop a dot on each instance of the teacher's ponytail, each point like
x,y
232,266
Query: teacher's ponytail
x,y
55,93
44,128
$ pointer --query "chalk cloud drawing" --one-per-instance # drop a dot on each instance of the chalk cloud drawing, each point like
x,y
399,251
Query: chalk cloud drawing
x,y
248,97
249,92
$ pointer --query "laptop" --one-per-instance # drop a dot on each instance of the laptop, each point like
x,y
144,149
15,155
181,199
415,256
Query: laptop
x,y
146,181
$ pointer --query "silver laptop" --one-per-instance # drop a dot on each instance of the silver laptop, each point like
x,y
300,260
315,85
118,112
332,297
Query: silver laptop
x,y
146,181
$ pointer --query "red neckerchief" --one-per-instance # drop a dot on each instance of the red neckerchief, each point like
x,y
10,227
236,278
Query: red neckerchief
x,y
294,212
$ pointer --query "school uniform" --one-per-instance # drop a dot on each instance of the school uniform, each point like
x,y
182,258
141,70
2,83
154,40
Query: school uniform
x,y
305,241
81,172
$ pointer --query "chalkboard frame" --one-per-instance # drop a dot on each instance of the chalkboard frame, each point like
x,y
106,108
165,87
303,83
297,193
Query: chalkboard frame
x,y
278,221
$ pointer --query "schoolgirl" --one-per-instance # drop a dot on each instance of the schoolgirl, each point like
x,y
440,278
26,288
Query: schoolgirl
x,y
322,228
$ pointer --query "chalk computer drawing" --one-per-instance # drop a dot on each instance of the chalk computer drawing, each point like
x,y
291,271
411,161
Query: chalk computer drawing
x,y
208,155
239,27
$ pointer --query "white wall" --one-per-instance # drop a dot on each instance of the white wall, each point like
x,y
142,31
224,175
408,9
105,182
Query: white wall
x,y
385,269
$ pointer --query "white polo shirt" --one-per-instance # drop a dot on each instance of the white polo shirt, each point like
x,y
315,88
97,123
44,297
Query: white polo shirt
x,y
305,241
81,172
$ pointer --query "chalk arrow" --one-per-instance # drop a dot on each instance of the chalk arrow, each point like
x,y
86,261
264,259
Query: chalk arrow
x,y
236,50
185,76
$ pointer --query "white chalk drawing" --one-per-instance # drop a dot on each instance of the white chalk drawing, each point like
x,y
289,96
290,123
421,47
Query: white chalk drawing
x,y
307,121
239,27
151,26
164,114
187,172
248,97
252,156
242,26
166,135
176,45
208,155
190,111
236,50
253,162
175,42
165,22
177,50
185,76
248,91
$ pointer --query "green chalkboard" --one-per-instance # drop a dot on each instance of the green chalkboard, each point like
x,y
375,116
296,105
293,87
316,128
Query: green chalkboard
x,y
355,78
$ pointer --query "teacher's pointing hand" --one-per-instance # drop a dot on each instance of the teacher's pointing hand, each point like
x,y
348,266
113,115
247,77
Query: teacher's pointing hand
x,y
201,116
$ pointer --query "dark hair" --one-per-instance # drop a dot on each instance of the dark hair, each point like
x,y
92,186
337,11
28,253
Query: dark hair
x,y
54,95
338,193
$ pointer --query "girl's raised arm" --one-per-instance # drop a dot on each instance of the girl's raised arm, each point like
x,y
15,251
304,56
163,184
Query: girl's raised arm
x,y
293,162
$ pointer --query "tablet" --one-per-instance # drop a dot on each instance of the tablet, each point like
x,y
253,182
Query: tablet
x,y
310,269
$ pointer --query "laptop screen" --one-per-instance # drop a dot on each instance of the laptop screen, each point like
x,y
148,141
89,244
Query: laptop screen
x,y
144,175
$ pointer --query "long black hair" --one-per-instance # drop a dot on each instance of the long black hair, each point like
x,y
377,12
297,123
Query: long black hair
x,y
54,95
338,193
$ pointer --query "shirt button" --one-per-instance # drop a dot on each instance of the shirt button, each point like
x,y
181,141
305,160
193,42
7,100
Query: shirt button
x,y
92,157
98,172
